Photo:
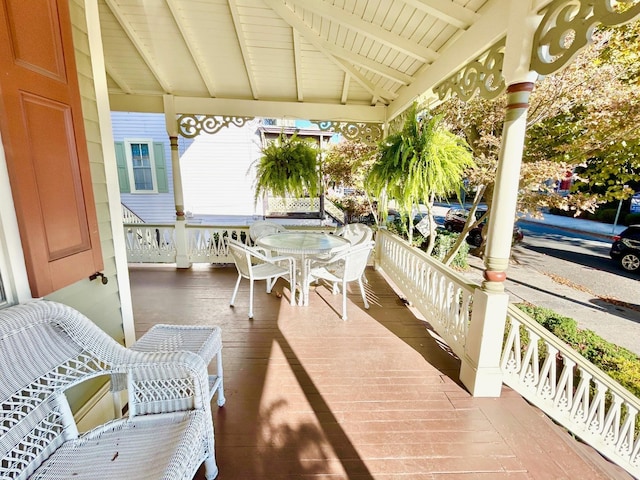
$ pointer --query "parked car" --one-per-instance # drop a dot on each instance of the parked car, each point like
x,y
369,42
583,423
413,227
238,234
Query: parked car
x,y
456,218
625,248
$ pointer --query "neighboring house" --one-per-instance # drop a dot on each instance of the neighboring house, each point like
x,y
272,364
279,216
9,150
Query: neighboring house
x,y
223,159
145,175
218,176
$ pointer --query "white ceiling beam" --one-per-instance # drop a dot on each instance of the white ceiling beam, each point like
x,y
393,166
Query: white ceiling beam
x,y
384,95
486,31
146,55
250,108
297,60
117,78
362,61
345,88
377,33
235,15
446,10
331,50
198,60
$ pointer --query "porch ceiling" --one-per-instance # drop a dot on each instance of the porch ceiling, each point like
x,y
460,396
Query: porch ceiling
x,y
323,59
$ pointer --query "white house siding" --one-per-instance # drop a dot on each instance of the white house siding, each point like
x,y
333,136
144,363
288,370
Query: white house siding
x,y
100,303
218,175
151,207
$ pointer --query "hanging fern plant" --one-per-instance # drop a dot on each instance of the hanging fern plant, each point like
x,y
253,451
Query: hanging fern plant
x,y
289,165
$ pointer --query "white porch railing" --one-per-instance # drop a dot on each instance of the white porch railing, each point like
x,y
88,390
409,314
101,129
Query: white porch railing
x,y
535,363
150,243
156,243
440,295
571,390
206,244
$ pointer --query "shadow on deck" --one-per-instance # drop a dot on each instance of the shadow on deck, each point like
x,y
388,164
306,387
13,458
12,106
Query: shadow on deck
x,y
374,397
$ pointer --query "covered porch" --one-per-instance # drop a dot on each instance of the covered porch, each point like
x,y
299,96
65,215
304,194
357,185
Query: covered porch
x,y
377,396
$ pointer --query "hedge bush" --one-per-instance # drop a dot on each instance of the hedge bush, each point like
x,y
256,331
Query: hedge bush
x,y
607,215
632,219
619,363
444,242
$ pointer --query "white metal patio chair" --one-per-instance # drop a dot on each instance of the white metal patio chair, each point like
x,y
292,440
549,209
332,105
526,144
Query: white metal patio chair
x,y
356,233
264,227
344,267
268,268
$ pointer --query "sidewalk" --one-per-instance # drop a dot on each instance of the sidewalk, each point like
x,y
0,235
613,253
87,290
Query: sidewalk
x,y
527,282
605,230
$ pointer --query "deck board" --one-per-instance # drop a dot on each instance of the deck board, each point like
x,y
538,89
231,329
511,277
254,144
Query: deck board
x,y
374,397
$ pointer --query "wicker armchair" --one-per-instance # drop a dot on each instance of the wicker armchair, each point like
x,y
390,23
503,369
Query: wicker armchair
x,y
47,348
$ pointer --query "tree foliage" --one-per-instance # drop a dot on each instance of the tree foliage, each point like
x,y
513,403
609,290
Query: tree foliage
x,y
346,163
582,119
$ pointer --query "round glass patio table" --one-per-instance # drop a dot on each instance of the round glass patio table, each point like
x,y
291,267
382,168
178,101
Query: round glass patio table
x,y
302,245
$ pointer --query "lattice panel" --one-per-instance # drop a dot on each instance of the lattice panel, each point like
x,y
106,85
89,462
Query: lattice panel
x,y
146,391
17,407
42,436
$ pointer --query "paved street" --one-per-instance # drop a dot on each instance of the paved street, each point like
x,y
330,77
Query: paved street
x,y
574,277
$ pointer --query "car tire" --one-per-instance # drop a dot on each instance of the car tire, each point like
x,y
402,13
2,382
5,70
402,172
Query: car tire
x,y
448,227
475,239
630,262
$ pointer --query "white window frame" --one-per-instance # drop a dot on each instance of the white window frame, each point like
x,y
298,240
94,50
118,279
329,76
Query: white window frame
x,y
127,151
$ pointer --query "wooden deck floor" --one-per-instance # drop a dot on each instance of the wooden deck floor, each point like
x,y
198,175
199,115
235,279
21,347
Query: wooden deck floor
x,y
374,397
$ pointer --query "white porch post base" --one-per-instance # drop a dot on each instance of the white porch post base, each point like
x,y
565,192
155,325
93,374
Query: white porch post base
x,y
182,253
480,372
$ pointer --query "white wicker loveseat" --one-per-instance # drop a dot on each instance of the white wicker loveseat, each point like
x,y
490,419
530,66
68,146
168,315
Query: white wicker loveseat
x,y
46,348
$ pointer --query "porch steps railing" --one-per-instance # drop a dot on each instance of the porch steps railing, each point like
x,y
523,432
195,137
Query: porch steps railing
x,y
535,363
129,216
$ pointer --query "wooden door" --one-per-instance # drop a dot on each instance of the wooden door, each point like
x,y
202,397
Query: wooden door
x,y
44,141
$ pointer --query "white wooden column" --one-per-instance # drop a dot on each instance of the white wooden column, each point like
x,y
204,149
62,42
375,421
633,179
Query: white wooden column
x,y
480,371
182,254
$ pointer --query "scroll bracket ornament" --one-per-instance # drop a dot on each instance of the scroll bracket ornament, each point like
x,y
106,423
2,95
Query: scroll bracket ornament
x,y
190,126
365,132
483,75
568,26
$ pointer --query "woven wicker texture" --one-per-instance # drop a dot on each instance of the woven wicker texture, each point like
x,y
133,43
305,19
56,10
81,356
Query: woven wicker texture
x,y
46,348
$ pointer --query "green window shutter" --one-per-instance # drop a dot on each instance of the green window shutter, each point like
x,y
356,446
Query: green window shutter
x,y
161,167
123,171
